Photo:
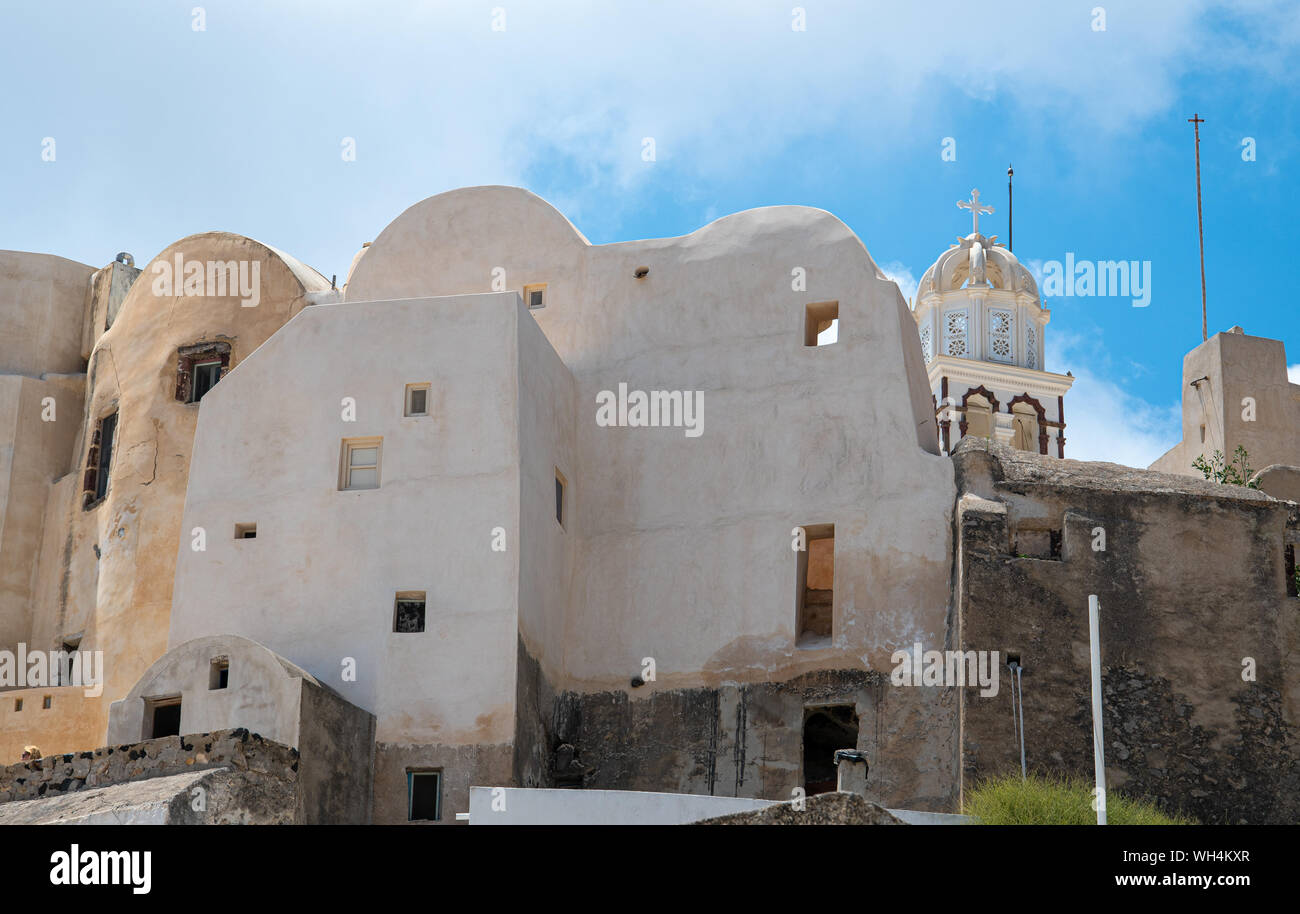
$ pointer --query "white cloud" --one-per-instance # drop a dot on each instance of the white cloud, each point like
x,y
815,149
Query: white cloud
x,y
901,274
1293,374
1103,421
722,86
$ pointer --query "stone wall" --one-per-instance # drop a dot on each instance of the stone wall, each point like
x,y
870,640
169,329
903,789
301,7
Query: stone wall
x,y
1192,588
735,739
236,749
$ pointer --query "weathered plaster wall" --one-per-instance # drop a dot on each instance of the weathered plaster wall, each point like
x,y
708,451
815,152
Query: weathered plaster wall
x,y
331,562
1236,366
1190,583
33,453
684,545
263,692
109,571
42,304
746,740
336,740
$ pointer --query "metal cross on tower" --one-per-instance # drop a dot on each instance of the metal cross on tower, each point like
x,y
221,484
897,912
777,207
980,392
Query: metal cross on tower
x,y
975,207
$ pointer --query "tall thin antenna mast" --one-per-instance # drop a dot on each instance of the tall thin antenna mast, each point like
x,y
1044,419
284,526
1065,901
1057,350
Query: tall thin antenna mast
x,y
1196,121
1009,174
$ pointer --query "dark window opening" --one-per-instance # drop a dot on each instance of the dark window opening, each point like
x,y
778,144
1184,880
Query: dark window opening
x,y
1038,544
826,730
69,649
18,704
559,498
816,585
408,615
245,531
423,796
99,459
206,375
219,674
164,718
199,368
47,702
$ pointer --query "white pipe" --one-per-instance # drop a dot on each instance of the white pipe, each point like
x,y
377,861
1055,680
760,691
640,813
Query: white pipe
x,y
1020,703
1098,746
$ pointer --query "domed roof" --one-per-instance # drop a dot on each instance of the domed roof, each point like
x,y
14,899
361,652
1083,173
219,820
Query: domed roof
x,y
977,260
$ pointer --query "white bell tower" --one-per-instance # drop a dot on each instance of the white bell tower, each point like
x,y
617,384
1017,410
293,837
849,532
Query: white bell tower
x,y
982,322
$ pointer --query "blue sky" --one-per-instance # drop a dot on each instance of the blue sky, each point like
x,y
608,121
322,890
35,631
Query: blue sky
x,y
162,131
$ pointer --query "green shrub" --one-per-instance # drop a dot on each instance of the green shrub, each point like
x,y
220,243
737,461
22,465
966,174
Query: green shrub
x,y
1008,800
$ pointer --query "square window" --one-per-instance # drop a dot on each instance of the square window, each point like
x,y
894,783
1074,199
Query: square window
x,y
408,612
423,795
821,323
359,465
219,674
417,400
535,296
245,531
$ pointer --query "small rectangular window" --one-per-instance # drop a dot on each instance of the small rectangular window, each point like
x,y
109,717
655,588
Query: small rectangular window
x,y
359,466
219,673
245,531
47,702
18,704
162,717
821,324
417,400
423,795
535,296
408,612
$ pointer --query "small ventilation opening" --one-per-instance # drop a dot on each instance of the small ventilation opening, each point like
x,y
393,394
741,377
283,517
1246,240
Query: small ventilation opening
x,y
245,531
219,673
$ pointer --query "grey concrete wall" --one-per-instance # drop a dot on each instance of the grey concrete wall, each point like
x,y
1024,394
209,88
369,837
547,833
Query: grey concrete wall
x,y
336,743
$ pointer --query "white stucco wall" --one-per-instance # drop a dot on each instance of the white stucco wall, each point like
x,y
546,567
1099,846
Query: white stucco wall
x,y
684,551
318,583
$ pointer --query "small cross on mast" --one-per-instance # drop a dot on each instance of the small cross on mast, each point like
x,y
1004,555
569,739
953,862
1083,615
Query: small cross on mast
x,y
975,207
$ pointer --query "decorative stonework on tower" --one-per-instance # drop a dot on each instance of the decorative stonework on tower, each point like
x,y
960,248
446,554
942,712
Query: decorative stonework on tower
x,y
982,327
